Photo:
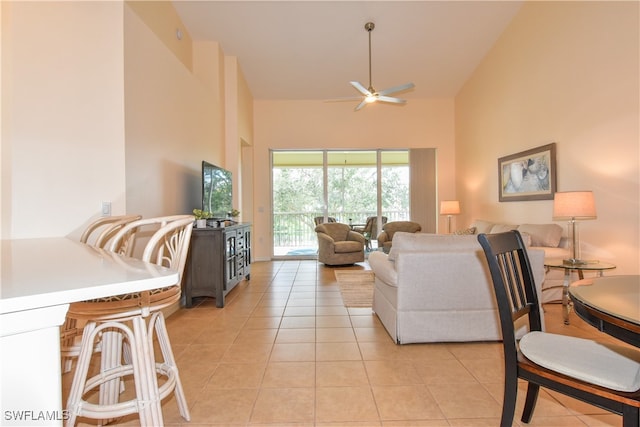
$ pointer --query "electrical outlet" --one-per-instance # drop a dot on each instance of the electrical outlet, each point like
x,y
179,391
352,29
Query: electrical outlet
x,y
106,208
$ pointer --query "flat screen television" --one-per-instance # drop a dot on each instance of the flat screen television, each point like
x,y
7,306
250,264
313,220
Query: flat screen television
x,y
216,191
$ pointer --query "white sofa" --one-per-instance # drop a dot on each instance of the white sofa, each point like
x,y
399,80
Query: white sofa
x,y
437,288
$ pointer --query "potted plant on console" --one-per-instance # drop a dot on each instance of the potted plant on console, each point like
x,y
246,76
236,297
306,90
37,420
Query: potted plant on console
x,y
201,218
233,215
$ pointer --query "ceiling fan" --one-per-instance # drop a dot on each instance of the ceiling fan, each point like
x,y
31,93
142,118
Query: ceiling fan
x,y
370,95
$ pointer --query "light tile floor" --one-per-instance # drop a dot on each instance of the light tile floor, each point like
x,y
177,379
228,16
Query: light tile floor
x,y
284,351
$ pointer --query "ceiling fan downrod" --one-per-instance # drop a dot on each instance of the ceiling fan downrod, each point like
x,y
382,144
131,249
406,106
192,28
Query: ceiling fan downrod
x,y
369,26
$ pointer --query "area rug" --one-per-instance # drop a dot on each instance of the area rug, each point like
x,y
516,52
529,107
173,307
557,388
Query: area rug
x,y
356,287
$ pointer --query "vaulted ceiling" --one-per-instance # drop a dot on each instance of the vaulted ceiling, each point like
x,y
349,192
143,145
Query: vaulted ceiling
x,y
312,49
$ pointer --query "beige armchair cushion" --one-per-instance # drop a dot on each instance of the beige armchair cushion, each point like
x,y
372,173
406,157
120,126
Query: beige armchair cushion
x,y
385,238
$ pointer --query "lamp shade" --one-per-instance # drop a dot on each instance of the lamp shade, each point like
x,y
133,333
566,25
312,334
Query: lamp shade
x,y
574,205
449,207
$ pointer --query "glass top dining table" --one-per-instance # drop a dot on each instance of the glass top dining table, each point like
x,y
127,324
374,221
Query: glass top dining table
x,y
610,303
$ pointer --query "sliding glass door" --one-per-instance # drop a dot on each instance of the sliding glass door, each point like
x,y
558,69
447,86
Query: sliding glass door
x,y
346,186
352,178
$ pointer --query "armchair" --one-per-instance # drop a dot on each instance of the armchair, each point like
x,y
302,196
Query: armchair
x,y
370,229
338,244
389,229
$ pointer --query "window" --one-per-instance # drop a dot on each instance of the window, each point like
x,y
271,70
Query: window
x,y
343,185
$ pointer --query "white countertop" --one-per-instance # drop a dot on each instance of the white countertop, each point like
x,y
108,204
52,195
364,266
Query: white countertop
x,y
45,272
40,278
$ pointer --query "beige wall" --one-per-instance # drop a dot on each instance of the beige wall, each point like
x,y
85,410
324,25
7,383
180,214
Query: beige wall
x,y
163,20
172,123
564,72
96,107
317,125
244,200
62,115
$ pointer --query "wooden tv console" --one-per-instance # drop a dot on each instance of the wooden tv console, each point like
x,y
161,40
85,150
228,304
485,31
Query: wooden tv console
x,y
219,259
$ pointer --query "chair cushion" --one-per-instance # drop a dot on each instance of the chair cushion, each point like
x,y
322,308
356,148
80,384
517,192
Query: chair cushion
x,y
405,226
607,365
543,234
348,246
336,230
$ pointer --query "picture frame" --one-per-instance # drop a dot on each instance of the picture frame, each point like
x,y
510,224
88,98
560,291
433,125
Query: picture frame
x,y
528,175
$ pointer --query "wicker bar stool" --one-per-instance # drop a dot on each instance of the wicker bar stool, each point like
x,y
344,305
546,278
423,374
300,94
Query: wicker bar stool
x,y
97,234
132,319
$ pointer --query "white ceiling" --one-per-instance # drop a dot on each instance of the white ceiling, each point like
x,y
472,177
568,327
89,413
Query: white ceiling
x,y
312,49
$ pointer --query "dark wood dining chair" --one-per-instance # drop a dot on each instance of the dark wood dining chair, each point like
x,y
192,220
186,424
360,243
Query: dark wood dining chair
x,y
604,375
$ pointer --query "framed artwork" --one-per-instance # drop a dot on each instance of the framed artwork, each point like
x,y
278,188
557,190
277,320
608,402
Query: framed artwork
x,y
528,175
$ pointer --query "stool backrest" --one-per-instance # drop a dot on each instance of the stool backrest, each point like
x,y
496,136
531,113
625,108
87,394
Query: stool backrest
x,y
102,230
168,246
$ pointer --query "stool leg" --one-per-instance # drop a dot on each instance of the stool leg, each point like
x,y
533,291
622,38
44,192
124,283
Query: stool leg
x,y
147,387
110,358
67,362
80,377
169,360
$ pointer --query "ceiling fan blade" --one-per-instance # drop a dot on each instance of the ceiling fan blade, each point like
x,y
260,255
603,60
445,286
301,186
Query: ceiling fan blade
x,y
363,90
359,106
391,99
395,89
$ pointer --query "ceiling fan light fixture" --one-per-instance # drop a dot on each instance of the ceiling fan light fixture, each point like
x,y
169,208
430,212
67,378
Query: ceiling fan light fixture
x,y
370,99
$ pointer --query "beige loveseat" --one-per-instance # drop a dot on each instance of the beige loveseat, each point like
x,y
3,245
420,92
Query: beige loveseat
x,y
546,237
437,288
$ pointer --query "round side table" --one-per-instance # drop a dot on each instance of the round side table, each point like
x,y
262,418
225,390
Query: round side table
x,y
596,266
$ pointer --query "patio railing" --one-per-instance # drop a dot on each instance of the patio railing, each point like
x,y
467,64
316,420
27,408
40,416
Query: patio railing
x,y
296,229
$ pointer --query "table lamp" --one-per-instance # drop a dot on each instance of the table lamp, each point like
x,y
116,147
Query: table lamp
x,y
573,206
448,208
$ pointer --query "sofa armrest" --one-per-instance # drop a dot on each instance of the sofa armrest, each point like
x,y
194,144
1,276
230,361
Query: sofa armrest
x,y
553,252
383,268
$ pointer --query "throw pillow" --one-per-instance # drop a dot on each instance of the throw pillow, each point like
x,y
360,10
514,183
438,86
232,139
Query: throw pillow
x,y
543,234
482,226
526,238
502,228
470,230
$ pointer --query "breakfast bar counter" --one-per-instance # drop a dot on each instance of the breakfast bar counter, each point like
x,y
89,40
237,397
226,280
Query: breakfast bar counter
x,y
39,279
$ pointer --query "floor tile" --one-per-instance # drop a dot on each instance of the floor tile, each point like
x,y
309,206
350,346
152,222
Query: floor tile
x,y
337,351
341,404
341,373
284,405
289,375
406,402
285,352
